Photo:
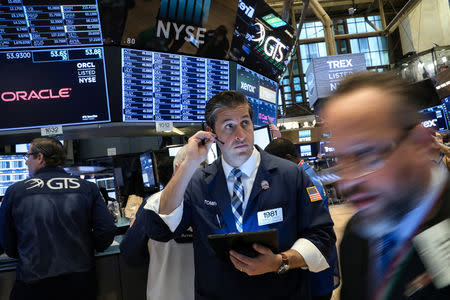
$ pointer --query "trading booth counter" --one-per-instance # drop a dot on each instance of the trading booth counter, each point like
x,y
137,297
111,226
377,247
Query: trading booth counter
x,y
116,280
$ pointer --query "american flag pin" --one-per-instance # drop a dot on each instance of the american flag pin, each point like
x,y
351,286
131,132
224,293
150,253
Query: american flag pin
x,y
265,184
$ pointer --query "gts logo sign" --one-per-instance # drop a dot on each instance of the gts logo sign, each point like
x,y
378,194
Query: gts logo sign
x,y
54,183
247,9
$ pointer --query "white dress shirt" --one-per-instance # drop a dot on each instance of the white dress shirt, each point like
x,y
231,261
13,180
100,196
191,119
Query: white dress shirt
x,y
313,257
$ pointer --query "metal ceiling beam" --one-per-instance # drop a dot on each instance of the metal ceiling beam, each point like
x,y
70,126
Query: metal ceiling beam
x,y
402,14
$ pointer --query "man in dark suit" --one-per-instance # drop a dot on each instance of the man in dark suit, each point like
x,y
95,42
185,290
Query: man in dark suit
x,y
246,189
396,246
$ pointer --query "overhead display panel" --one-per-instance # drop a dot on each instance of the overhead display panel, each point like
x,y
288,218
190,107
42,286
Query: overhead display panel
x,y
52,87
262,41
434,118
47,23
261,92
198,27
169,87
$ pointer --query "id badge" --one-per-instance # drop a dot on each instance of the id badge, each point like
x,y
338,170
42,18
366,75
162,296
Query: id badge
x,y
270,216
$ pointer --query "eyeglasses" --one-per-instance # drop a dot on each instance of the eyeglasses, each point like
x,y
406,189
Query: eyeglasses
x,y
368,161
26,156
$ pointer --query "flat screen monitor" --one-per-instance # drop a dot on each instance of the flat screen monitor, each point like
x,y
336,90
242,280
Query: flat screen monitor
x,y
446,109
186,26
261,92
308,150
434,118
22,148
148,171
261,39
304,135
107,183
262,136
12,169
169,87
174,150
325,148
43,23
52,87
212,154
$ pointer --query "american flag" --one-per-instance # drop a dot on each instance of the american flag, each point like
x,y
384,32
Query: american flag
x,y
313,194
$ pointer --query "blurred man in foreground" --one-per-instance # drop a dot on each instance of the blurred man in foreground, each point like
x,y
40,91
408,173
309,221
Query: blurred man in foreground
x,y
396,246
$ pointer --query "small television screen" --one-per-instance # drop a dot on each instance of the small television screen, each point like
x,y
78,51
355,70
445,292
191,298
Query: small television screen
x,y
174,150
107,183
212,154
53,87
148,171
112,195
43,23
262,136
304,135
308,150
169,87
274,21
326,149
446,109
12,169
434,118
22,148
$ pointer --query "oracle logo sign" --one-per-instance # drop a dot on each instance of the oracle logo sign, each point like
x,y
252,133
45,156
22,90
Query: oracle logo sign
x,y
41,95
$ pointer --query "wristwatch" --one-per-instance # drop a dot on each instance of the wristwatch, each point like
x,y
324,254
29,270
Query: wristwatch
x,y
284,264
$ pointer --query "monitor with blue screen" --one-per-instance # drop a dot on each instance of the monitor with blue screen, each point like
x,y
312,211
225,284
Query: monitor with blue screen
x,y
12,170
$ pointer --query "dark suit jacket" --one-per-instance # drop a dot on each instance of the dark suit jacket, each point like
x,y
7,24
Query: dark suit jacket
x,y
354,253
207,209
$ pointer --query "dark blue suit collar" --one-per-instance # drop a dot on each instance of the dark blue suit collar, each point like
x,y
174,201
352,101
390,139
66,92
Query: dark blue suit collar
x,y
50,170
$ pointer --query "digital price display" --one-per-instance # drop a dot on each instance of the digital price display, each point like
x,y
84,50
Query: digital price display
x,y
47,23
169,87
12,169
52,87
446,109
261,92
434,118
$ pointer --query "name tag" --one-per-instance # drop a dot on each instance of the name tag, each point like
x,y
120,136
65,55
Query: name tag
x,y
433,246
270,216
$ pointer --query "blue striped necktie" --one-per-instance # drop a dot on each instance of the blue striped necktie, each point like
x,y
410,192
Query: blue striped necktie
x,y
237,200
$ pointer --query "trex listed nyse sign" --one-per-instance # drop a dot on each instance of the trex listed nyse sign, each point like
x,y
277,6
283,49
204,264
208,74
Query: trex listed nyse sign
x,y
325,73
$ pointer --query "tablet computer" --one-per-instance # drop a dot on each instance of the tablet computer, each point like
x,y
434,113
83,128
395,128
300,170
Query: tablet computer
x,y
242,242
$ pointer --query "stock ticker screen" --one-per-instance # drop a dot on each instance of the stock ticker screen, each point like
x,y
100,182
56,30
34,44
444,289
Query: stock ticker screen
x,y
52,87
261,92
12,169
47,23
446,109
435,118
169,87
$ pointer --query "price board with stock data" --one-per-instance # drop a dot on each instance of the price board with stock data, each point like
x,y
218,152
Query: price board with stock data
x,y
47,23
169,87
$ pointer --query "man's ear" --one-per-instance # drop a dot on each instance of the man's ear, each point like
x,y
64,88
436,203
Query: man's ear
x,y
209,129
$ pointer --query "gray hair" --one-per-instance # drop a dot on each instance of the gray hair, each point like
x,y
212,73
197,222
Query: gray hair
x,y
181,156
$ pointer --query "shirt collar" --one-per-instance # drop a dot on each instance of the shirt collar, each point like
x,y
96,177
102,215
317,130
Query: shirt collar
x,y
247,167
